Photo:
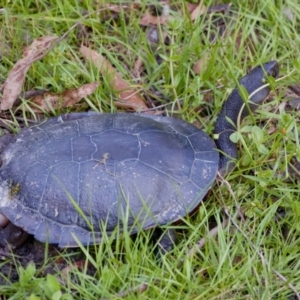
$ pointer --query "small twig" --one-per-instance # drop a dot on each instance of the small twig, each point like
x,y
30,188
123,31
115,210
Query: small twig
x,y
210,234
240,214
278,274
237,205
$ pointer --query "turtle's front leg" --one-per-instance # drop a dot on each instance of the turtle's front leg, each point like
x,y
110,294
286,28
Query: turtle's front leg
x,y
164,239
12,235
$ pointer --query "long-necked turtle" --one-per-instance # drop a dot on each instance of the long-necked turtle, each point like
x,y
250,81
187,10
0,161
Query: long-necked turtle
x,y
74,173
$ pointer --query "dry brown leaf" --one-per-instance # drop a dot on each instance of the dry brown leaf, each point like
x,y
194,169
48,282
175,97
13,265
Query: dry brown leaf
x,y
147,19
191,6
198,66
49,101
199,10
118,8
129,97
12,87
76,265
220,8
201,64
138,67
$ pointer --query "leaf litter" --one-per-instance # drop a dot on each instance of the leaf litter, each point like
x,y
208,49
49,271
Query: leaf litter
x,y
128,96
12,86
49,101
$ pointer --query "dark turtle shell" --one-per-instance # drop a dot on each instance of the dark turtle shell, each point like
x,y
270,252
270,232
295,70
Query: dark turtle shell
x,y
73,174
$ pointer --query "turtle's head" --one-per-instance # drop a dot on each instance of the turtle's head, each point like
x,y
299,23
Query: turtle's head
x,y
255,82
256,85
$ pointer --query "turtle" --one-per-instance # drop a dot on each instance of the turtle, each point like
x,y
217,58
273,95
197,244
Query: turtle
x,y
70,178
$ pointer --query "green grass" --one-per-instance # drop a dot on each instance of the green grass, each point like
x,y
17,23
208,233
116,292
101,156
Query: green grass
x,y
228,266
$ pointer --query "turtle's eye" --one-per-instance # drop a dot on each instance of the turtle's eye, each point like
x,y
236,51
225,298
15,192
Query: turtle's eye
x,y
274,73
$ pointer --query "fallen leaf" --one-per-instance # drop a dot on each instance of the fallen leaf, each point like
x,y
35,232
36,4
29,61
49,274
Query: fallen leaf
x,y
31,94
49,101
12,86
191,6
220,8
138,67
201,64
198,11
129,98
148,19
198,66
118,8
76,265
